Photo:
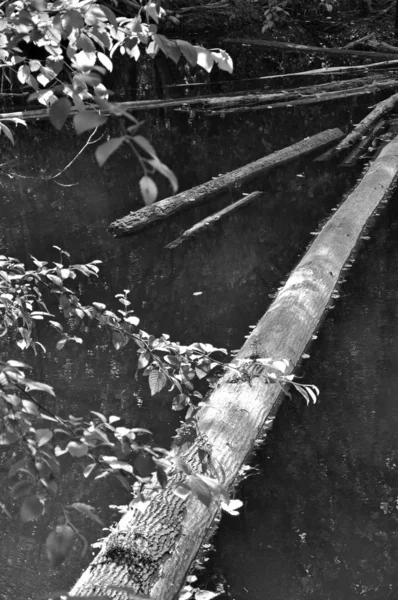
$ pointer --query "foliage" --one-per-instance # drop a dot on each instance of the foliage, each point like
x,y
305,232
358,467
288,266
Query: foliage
x,y
277,12
274,13
101,444
77,41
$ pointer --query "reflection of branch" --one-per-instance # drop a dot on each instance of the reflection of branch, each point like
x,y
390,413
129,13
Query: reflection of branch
x,y
88,143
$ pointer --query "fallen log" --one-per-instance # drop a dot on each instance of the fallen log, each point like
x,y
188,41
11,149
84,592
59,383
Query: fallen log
x,y
212,219
383,46
289,47
325,71
305,100
381,109
357,153
360,41
152,552
250,99
149,215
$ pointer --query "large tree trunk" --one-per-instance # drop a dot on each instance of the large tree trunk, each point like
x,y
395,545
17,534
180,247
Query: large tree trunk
x,y
149,215
153,551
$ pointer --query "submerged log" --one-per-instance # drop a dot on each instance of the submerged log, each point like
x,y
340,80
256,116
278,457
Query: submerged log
x,y
381,109
152,552
149,215
289,47
306,100
212,219
357,153
251,99
386,64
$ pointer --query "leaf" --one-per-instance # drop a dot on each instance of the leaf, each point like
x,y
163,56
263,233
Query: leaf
x,y
86,120
76,449
103,152
145,145
161,476
166,172
30,407
232,506
31,509
200,489
119,340
8,437
106,61
61,343
5,510
205,58
21,488
43,436
143,361
169,47
152,11
180,402
200,373
87,510
149,190
85,60
59,112
223,60
36,385
157,381
205,595
7,132
59,543
89,469
20,464
188,51
23,73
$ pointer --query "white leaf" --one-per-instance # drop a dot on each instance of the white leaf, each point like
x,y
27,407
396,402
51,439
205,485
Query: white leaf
x,y
223,60
105,60
205,58
149,190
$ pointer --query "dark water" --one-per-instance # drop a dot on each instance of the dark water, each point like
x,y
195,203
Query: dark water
x,y
320,519
236,266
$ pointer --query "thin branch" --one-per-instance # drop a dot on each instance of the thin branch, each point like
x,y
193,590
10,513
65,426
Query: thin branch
x,y
51,177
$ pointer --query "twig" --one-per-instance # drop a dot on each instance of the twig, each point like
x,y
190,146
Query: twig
x,y
88,143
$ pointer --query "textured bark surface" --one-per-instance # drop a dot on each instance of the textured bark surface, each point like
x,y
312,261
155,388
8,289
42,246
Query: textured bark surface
x,y
212,219
380,110
153,551
357,153
289,47
361,129
149,215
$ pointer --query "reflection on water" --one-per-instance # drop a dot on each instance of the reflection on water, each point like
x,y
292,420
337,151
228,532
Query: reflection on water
x,y
236,266
320,519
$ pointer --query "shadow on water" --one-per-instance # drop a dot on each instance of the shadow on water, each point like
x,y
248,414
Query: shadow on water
x,y
320,518
236,266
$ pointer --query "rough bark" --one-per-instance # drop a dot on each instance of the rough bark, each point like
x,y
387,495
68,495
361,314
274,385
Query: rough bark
x,y
381,109
289,47
357,153
212,219
149,215
153,552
